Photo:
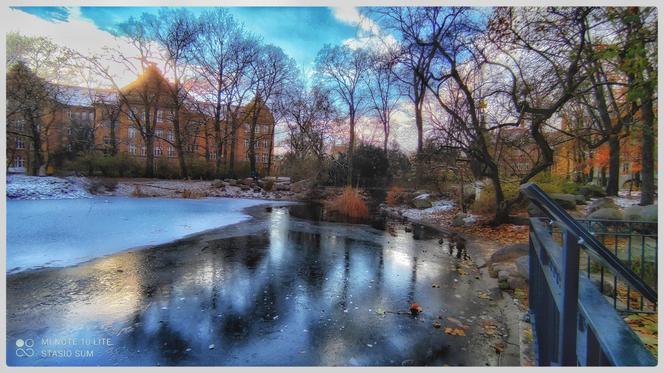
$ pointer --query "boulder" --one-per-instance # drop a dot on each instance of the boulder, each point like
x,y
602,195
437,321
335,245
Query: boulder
x,y
649,213
218,184
567,201
257,189
522,264
632,213
509,252
601,203
606,214
503,275
244,187
422,201
232,182
247,181
480,263
283,179
301,186
580,199
458,219
592,191
283,187
496,268
517,282
534,211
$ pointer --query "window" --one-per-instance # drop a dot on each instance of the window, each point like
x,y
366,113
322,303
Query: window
x,y
107,140
625,167
160,115
159,134
68,112
132,149
171,151
18,161
19,143
70,130
246,143
68,147
171,136
213,155
131,133
19,125
143,152
157,151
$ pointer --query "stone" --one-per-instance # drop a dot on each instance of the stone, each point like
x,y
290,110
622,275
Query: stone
x,y
301,186
580,199
218,184
649,213
509,252
522,265
517,282
632,213
534,211
232,182
601,203
480,262
257,189
495,268
606,214
567,201
503,275
244,187
592,191
283,179
282,187
247,181
422,201
458,219
503,285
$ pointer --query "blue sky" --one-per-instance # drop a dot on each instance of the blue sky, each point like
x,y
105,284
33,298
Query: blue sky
x,y
299,31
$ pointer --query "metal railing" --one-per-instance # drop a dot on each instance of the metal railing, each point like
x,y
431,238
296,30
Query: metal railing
x,y
573,323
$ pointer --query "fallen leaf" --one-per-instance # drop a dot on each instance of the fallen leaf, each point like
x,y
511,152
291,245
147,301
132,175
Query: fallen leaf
x,y
455,331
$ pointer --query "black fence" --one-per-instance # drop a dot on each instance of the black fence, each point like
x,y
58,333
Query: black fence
x,y
574,322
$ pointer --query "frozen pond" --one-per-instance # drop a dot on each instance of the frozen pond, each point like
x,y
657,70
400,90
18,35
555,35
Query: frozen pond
x,y
56,233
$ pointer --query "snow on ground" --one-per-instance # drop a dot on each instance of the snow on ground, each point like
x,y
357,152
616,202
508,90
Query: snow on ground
x,y
420,214
627,199
45,187
55,233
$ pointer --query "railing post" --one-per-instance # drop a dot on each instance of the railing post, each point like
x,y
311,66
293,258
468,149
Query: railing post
x,y
570,295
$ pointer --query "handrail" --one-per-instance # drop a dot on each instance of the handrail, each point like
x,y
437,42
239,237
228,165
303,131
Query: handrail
x,y
593,246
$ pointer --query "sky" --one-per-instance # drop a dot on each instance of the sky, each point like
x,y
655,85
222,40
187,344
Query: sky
x,y
300,31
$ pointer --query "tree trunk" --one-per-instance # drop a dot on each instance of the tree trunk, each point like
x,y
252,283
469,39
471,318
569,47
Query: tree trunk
x,y
351,147
252,144
271,150
38,160
502,208
613,182
114,141
178,144
419,172
648,151
231,157
149,156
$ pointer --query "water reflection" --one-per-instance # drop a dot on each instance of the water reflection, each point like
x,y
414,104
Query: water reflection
x,y
283,291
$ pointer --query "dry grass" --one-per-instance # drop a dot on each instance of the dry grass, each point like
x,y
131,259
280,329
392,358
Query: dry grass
x,y
350,203
137,192
396,197
192,194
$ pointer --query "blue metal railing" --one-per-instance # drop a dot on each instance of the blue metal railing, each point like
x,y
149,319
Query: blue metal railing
x,y
573,324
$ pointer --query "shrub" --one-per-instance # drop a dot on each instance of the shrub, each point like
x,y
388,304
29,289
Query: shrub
x,y
268,185
350,203
200,169
165,169
396,196
137,192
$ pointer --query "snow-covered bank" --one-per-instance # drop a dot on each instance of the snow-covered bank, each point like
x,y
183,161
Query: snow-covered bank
x,y
46,187
415,214
55,233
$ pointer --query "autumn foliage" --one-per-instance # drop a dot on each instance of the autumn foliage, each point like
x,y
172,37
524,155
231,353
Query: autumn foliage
x,y
396,196
350,203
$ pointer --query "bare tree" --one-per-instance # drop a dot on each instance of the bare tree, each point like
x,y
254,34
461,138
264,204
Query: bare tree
x,y
343,69
384,91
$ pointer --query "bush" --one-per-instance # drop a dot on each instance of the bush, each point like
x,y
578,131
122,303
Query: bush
x,y
308,168
350,203
396,196
137,192
200,169
165,169
192,194
268,185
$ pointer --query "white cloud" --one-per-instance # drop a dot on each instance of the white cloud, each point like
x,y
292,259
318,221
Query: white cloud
x,y
79,34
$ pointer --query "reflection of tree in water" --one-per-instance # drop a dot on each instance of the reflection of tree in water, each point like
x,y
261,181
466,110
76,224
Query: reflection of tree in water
x,y
413,281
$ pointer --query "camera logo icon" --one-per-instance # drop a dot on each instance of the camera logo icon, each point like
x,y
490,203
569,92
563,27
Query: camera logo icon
x,y
24,348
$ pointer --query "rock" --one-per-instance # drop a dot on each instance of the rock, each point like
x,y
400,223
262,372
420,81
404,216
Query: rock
x,y
580,199
522,264
503,275
480,262
422,201
257,189
282,187
301,186
534,211
244,187
247,181
458,219
496,268
283,179
509,252
567,201
592,191
218,184
601,203
649,213
632,213
517,282
503,285
232,182
606,214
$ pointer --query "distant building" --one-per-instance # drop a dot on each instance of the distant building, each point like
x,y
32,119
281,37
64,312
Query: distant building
x,y
114,127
